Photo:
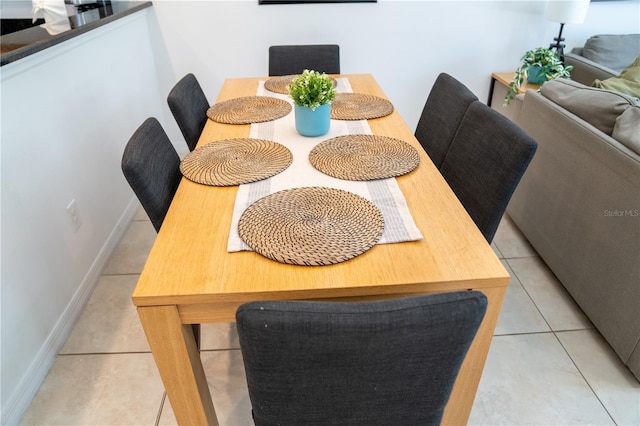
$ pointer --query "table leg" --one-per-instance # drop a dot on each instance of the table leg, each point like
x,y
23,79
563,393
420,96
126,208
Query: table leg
x,y
460,403
176,354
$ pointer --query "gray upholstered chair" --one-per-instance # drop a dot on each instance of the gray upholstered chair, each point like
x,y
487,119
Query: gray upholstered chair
x,y
293,59
391,362
484,163
189,105
151,165
446,104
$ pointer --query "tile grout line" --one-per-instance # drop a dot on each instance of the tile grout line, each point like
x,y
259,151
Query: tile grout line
x,y
527,291
104,353
550,331
139,352
583,376
555,335
524,257
159,415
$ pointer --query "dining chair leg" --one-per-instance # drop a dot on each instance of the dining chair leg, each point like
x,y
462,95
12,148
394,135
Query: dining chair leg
x,y
196,334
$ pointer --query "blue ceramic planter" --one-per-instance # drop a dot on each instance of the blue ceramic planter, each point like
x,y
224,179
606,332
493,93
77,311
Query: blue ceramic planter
x,y
536,75
313,122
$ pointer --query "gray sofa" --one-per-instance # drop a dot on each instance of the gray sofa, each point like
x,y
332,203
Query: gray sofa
x,y
602,56
579,203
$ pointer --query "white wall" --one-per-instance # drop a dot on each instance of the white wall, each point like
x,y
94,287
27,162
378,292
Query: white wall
x,y
67,113
18,9
404,44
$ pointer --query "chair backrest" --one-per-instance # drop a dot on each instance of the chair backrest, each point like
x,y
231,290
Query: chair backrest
x,y
189,105
151,165
484,164
442,113
293,59
390,362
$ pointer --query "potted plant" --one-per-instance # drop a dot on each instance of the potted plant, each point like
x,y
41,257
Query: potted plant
x,y
538,65
312,93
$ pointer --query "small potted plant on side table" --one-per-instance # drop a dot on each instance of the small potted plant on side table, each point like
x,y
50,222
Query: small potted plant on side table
x,y
312,93
538,65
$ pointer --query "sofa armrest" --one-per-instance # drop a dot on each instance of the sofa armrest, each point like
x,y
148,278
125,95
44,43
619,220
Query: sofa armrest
x,y
586,71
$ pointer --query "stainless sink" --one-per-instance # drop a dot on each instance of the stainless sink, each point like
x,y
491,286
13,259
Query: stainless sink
x,y
80,19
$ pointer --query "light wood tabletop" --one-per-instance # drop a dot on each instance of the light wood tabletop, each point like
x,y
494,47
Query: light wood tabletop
x,y
190,278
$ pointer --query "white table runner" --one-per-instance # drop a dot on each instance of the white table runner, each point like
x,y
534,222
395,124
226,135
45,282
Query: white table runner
x,y
384,193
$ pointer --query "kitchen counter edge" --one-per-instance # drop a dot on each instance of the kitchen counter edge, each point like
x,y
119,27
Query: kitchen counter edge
x,y
41,45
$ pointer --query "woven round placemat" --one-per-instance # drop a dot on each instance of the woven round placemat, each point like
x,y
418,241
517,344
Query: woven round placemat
x,y
249,109
279,84
364,157
359,106
311,226
235,161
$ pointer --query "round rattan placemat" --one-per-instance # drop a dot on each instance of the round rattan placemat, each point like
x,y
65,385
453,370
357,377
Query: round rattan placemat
x,y
279,84
249,109
364,157
235,161
311,226
359,106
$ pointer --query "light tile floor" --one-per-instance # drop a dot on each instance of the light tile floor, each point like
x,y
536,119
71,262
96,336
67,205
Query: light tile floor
x,y
547,364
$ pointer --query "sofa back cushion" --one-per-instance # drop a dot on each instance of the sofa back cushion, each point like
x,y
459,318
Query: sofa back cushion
x,y
627,129
598,107
615,51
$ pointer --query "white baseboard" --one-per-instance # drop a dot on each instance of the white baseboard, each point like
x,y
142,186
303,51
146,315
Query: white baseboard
x,y
21,398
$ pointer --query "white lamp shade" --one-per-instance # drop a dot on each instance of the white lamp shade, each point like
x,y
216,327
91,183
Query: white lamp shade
x,y
567,11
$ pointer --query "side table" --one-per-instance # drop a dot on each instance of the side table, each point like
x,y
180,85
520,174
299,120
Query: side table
x,y
505,78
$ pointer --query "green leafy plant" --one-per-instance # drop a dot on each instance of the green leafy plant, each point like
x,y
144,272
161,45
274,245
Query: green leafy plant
x,y
312,89
543,57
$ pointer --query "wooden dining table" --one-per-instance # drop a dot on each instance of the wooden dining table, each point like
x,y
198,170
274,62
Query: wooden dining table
x,y
191,278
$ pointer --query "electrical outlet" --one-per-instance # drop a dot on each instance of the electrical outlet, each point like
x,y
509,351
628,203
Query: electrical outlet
x,y
74,215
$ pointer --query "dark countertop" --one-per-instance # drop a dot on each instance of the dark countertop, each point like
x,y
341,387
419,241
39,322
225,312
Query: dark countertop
x,y
26,42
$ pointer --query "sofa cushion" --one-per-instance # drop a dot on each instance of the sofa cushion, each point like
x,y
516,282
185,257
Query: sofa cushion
x,y
627,129
614,51
598,107
628,82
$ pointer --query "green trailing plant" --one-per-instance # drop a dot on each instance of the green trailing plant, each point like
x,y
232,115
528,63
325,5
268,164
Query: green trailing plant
x,y
543,57
312,89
